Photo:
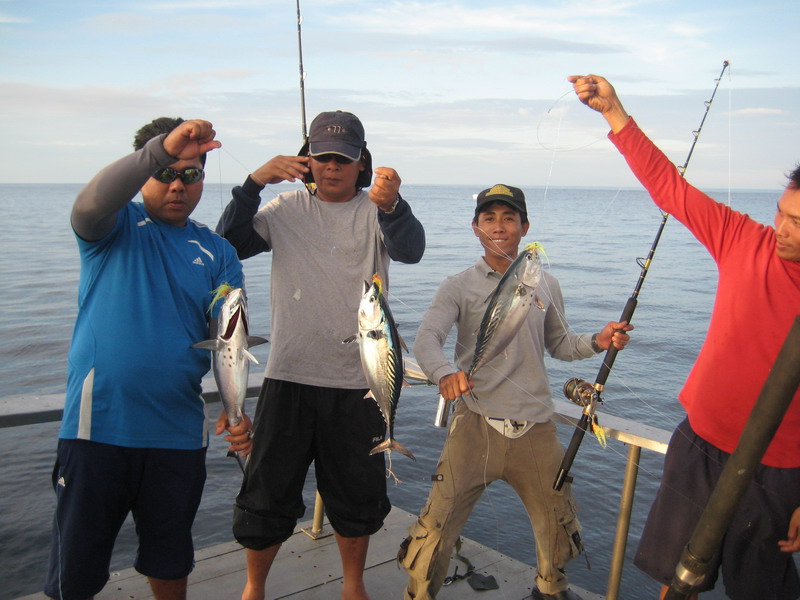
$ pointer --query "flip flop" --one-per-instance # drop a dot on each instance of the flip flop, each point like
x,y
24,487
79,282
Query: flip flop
x,y
481,583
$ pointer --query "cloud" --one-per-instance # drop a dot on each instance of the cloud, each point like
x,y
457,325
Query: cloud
x,y
759,111
453,18
7,19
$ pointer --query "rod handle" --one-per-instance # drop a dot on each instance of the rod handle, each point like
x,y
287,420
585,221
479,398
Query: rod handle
x,y
442,412
611,353
572,451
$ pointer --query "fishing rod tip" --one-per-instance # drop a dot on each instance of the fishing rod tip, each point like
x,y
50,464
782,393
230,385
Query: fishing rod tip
x,y
726,63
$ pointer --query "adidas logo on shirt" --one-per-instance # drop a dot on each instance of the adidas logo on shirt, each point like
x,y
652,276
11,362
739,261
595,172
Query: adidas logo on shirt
x,y
198,261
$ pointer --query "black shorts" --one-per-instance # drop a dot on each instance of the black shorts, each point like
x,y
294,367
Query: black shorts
x,y
96,486
752,565
295,424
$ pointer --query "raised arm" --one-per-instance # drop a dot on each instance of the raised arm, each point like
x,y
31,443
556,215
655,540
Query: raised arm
x,y
236,222
94,212
402,232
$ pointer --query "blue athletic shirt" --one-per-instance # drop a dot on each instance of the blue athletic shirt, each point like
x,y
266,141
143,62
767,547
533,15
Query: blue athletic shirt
x,y
144,294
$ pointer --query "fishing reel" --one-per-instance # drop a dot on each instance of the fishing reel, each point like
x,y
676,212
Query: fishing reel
x,y
581,392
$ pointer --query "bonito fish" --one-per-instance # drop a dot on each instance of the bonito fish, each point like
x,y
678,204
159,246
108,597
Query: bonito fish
x,y
381,358
231,360
508,306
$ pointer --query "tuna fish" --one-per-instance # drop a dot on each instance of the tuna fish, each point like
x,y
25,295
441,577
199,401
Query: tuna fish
x,y
231,360
381,358
508,306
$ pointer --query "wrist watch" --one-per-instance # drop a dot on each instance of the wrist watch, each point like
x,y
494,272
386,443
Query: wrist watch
x,y
595,345
394,205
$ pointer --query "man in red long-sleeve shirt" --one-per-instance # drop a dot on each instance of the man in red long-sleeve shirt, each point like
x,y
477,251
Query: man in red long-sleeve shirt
x,y
759,266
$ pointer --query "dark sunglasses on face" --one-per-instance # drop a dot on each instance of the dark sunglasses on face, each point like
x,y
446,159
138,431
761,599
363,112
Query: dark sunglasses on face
x,y
188,176
326,158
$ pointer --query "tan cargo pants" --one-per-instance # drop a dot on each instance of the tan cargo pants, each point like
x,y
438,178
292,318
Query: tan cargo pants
x,y
474,455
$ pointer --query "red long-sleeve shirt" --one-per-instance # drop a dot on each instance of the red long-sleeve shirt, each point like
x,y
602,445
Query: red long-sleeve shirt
x,y
758,298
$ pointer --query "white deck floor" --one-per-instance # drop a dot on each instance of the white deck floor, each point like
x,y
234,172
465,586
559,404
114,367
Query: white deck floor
x,y
307,569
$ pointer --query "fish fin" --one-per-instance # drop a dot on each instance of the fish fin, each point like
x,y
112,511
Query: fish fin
x,y
392,444
246,353
369,395
214,345
350,339
405,384
414,372
374,334
256,340
403,343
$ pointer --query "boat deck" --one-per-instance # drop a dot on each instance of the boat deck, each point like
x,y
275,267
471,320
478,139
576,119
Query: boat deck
x,y
309,569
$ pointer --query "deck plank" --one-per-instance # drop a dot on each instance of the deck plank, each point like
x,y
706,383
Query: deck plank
x,y
307,569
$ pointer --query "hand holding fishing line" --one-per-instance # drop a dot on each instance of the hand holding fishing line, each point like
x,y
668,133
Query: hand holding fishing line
x,y
190,139
598,94
282,168
385,189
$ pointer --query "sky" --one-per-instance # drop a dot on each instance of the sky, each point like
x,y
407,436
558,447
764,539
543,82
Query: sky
x,y
450,92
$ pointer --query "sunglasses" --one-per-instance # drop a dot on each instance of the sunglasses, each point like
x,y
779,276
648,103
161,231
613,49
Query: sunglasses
x,y
326,158
189,175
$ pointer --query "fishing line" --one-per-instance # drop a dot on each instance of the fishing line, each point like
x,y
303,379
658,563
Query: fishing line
x,y
653,475
588,418
221,205
561,111
730,132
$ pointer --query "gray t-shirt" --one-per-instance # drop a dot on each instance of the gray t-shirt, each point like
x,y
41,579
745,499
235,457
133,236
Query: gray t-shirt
x,y
322,252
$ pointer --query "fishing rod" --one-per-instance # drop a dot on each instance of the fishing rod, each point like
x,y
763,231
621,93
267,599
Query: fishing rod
x,y
302,75
765,417
583,393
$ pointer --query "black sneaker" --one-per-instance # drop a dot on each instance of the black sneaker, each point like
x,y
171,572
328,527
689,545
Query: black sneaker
x,y
562,595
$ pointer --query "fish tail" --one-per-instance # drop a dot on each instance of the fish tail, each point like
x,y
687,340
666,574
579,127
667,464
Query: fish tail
x,y
392,444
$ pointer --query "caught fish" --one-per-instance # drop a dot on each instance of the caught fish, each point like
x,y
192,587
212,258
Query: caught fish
x,y
381,358
231,360
508,306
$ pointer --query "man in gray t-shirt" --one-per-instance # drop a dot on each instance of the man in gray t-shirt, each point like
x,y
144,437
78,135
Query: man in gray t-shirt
x,y
326,240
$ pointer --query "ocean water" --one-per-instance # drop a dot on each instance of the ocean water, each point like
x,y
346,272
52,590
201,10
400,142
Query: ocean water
x,y
592,237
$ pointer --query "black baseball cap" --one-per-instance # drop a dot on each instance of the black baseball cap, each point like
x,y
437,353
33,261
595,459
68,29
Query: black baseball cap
x,y
336,132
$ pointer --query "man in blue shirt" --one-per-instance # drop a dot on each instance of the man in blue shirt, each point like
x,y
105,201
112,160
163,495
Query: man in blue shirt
x,y
135,430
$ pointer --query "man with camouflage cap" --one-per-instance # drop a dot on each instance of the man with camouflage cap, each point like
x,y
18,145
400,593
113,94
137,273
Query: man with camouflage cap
x,y
501,427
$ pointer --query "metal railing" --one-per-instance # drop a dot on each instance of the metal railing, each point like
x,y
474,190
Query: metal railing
x,y
29,409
